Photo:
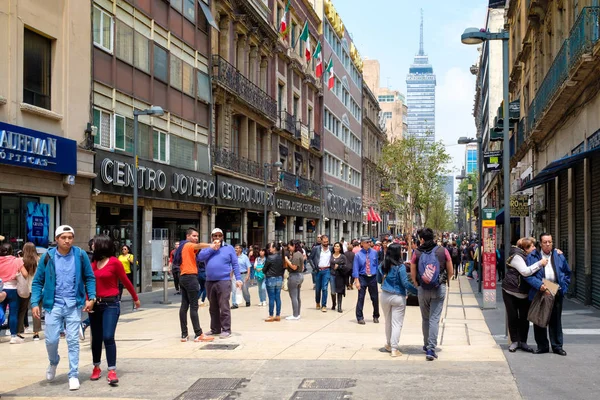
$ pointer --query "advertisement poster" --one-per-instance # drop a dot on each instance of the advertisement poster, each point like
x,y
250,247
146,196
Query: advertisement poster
x,y
489,258
38,223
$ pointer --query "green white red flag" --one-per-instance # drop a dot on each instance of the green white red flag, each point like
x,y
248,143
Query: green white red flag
x,y
305,37
283,26
317,55
331,79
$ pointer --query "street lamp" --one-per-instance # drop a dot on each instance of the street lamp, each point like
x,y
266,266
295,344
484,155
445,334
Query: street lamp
x,y
478,36
154,111
267,168
478,140
325,189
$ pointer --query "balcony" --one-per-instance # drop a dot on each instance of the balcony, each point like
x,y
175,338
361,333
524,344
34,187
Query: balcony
x,y
227,159
287,122
562,84
296,184
315,142
227,76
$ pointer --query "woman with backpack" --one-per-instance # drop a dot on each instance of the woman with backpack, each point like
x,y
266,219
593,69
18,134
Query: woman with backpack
x,y
392,276
30,262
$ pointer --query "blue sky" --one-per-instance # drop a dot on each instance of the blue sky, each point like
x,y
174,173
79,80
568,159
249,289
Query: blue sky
x,y
388,30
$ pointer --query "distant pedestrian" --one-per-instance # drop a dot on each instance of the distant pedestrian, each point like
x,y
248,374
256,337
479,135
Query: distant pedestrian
x,y
259,263
30,262
221,260
175,268
274,270
430,267
126,258
350,263
364,272
245,266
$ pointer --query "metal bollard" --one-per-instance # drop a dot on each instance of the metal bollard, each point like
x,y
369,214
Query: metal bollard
x,y
165,286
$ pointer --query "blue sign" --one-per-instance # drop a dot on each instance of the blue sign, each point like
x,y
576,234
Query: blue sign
x,y
38,223
23,147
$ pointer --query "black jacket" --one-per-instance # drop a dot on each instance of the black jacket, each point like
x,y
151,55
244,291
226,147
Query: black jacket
x,y
513,281
273,266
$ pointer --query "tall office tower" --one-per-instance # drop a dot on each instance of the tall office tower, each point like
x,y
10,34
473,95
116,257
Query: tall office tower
x,y
420,84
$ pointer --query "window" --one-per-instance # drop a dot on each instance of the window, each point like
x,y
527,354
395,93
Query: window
x,y
280,89
189,10
141,52
37,53
124,44
160,63
310,119
160,147
295,109
204,89
188,79
103,29
387,115
119,132
102,121
181,152
176,72
177,4
293,30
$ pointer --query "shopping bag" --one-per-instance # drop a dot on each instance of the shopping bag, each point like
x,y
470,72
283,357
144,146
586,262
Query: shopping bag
x,y
286,275
239,296
541,309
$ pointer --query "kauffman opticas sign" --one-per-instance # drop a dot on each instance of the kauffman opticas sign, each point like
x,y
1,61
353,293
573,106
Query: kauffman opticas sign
x,y
24,147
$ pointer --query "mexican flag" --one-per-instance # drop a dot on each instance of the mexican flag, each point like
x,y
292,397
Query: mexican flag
x,y
305,37
283,26
331,78
319,60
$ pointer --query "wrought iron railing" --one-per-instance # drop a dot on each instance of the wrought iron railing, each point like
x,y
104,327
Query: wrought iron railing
x,y
583,36
227,75
295,183
226,158
315,142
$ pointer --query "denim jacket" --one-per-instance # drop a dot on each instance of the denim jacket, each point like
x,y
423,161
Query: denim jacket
x,y
396,281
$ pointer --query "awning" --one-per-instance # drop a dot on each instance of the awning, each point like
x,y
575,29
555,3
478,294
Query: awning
x,y
555,167
372,216
500,218
209,17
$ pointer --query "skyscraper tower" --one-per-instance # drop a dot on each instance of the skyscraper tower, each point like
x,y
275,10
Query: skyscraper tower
x,y
420,85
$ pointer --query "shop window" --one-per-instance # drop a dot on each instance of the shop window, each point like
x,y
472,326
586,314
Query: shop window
x,y
37,53
160,147
161,62
188,79
141,52
204,89
181,152
176,72
189,10
102,121
177,4
124,42
103,29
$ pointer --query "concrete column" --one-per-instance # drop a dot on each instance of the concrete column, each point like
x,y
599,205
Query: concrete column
x,y
264,62
270,226
241,61
304,229
146,256
340,231
205,226
291,228
234,51
244,230
224,44
252,140
213,215
253,66
243,139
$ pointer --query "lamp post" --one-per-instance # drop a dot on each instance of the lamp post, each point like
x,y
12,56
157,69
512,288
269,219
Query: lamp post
x,y
267,168
325,189
478,36
478,140
155,111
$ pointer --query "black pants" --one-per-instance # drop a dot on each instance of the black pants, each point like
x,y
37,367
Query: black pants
x,y
371,284
189,299
554,327
218,293
516,315
501,270
176,279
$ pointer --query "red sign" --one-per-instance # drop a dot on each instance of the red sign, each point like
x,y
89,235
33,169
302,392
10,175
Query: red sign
x,y
489,258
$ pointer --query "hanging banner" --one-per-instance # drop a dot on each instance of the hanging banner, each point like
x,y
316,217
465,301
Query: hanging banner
x,y
489,258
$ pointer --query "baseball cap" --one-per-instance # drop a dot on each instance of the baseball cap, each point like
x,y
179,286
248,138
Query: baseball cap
x,y
378,242
216,230
365,239
63,229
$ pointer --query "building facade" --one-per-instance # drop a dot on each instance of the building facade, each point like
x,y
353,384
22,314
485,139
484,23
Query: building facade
x,y
392,102
45,159
554,58
342,115
420,93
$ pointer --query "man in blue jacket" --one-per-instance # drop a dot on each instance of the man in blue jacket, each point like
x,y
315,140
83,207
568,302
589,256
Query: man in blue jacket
x,y
63,278
556,270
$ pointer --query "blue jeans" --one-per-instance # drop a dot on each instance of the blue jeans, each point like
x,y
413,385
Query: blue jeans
x,y
12,300
202,282
103,323
322,281
55,319
262,290
274,290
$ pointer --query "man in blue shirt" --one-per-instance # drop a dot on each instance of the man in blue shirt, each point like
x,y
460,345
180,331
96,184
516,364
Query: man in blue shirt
x,y
244,264
220,259
364,272
62,279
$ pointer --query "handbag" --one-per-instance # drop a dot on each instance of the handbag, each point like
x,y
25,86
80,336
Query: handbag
x,y
541,309
22,286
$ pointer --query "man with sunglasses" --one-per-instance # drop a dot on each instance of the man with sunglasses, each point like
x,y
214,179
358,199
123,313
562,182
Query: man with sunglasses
x,y
221,260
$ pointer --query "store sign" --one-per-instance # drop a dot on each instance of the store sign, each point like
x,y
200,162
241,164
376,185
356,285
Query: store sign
x,y
344,206
489,258
288,205
38,223
23,147
232,192
116,173
492,160
519,206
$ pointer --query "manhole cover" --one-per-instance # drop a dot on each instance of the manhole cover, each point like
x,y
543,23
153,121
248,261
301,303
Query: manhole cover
x,y
207,395
327,383
203,384
320,395
214,346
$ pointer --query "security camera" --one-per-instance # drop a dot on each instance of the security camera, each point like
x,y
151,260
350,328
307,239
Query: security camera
x,y
276,214
97,192
325,219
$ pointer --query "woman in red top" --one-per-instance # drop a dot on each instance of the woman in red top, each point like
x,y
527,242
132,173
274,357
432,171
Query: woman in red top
x,y
103,320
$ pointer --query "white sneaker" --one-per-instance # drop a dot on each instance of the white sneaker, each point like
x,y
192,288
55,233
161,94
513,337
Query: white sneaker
x,y
292,318
28,330
73,384
16,340
51,372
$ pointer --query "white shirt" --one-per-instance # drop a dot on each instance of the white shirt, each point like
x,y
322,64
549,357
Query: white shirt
x,y
345,246
548,270
325,258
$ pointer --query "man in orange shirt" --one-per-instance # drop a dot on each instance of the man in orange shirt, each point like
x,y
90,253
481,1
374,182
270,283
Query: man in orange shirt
x,y
190,287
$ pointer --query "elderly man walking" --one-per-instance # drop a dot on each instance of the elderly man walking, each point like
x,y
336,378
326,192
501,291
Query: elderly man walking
x,y
63,278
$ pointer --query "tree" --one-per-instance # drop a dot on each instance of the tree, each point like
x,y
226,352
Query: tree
x,y
440,218
417,166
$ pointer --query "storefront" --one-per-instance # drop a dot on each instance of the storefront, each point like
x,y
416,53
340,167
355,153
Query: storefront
x,y
343,215
239,211
298,218
170,201
37,175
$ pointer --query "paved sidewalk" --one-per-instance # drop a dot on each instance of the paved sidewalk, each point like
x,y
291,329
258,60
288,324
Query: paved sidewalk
x,y
276,357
